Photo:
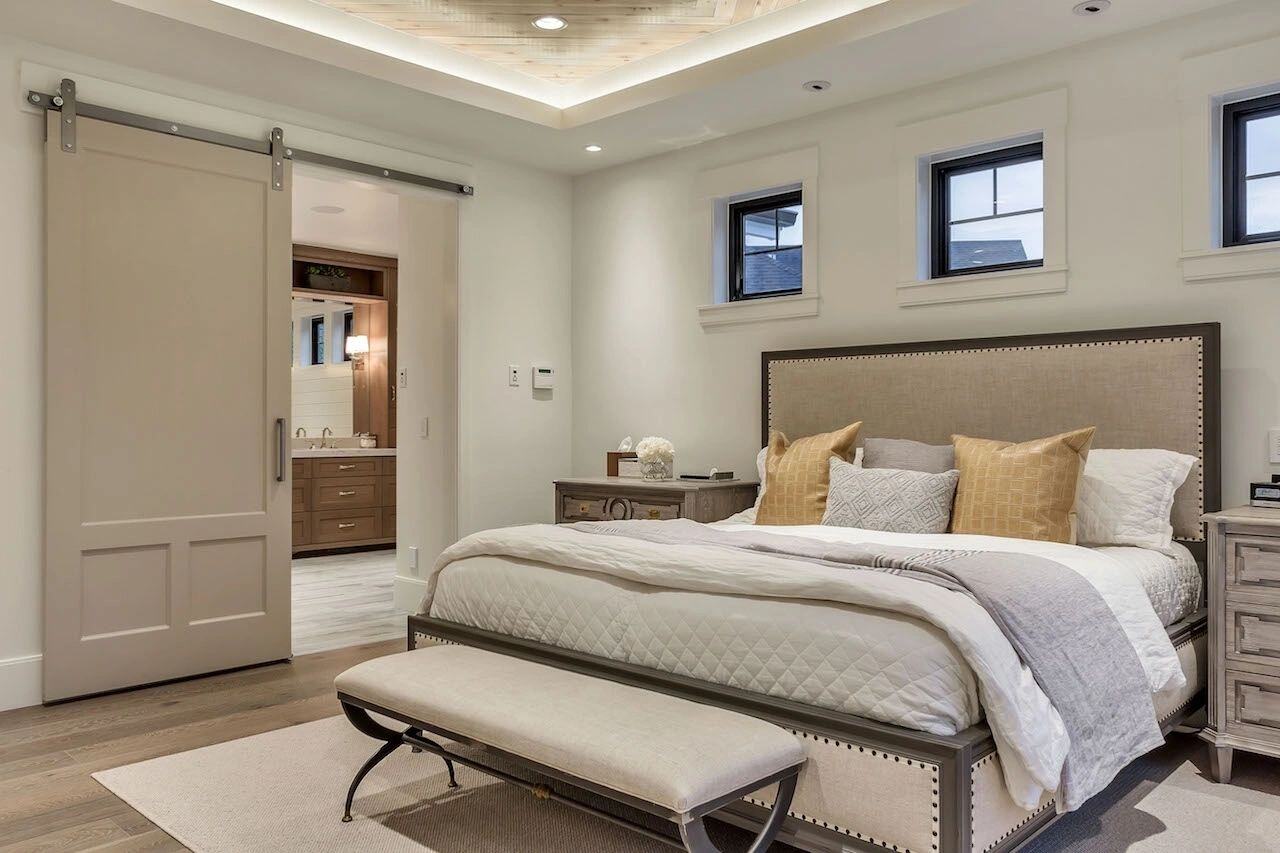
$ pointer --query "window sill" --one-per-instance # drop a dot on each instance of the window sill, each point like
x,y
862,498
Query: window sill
x,y
969,288
758,310
1231,263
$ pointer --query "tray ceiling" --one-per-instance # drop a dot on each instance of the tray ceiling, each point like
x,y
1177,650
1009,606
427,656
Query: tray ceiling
x,y
601,34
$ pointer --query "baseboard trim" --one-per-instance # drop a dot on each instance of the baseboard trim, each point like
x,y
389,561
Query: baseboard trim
x,y
21,682
408,593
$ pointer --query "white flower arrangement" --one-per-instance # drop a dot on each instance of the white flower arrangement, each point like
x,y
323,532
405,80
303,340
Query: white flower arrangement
x,y
655,449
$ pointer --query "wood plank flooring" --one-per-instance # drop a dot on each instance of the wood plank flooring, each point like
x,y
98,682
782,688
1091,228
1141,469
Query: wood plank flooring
x,y
48,802
344,600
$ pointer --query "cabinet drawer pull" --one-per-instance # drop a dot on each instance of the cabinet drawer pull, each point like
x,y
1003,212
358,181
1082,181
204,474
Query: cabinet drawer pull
x,y
347,493
346,525
583,509
345,467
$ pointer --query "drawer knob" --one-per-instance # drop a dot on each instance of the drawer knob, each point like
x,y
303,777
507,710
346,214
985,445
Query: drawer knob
x,y
584,508
346,525
655,513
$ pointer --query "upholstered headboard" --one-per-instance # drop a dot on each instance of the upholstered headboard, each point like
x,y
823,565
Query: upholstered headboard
x,y
1148,387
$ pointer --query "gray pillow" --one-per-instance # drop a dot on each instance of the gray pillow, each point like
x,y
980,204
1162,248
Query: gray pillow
x,y
907,455
889,499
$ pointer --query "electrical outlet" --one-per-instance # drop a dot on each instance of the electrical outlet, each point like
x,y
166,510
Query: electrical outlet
x,y
1273,446
513,375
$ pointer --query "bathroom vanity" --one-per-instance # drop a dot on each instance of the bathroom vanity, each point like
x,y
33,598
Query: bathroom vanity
x,y
343,497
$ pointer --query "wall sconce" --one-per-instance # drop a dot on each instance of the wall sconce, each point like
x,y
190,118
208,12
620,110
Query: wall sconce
x,y
357,348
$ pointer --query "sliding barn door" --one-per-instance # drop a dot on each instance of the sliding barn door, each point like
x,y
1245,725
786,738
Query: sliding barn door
x,y
168,345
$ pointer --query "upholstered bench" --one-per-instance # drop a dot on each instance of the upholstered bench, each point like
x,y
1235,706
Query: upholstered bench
x,y
664,755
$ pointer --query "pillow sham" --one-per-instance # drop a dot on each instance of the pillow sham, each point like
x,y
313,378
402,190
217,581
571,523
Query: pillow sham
x,y
798,474
1025,491
907,455
1126,496
748,516
891,499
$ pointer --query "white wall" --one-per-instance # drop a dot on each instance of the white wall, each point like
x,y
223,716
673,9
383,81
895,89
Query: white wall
x,y
643,365
514,288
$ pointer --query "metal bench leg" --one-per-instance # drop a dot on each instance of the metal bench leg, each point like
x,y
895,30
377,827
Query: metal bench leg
x,y
694,833
394,740
383,751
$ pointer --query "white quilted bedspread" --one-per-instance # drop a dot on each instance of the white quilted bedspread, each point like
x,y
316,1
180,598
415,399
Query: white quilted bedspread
x,y
875,645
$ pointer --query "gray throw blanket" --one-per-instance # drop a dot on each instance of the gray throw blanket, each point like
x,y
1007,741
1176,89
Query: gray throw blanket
x,y
1056,621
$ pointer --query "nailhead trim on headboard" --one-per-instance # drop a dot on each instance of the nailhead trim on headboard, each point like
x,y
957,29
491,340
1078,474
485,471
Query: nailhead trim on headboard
x,y
1199,342
932,769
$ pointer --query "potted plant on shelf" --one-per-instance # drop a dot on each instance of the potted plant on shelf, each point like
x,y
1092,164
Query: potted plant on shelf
x,y
326,277
657,458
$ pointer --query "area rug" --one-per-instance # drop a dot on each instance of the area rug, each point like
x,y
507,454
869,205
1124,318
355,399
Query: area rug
x,y
283,791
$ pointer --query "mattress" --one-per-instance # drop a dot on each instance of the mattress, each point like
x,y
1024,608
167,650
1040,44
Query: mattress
x,y
862,661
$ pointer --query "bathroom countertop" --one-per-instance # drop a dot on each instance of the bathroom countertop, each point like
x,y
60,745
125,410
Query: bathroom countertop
x,y
319,453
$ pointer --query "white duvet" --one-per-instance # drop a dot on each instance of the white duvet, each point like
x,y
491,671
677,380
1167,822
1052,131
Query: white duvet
x,y
1028,732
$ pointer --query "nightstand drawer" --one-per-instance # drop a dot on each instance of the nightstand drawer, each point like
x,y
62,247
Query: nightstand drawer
x,y
653,511
1253,564
1253,634
583,508
1253,706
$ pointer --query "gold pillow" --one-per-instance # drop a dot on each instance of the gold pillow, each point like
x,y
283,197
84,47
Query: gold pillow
x,y
1026,490
798,473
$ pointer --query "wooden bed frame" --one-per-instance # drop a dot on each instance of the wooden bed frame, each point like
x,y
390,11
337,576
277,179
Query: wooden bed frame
x,y
900,789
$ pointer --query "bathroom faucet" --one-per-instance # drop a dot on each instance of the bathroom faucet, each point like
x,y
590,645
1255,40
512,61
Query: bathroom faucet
x,y
300,432
325,435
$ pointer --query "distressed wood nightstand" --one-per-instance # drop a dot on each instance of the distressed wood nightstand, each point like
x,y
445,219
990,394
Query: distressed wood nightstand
x,y
1244,635
616,498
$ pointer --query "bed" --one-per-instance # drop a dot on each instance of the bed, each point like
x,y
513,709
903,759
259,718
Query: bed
x,y
901,756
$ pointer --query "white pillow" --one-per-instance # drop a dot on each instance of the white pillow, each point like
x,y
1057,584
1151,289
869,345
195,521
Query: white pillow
x,y
1126,496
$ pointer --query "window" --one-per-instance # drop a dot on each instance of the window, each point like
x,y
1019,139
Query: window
x,y
988,212
317,340
347,320
1251,171
766,247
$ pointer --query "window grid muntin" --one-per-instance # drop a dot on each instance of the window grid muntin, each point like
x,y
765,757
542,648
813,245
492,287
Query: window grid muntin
x,y
940,197
738,213
1235,180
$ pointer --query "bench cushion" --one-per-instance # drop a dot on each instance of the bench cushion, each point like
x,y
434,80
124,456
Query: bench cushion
x,y
664,750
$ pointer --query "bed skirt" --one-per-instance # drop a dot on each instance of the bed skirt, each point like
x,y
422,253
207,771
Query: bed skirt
x,y
867,785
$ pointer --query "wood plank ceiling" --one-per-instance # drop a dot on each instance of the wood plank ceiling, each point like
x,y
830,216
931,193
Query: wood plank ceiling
x,y
601,35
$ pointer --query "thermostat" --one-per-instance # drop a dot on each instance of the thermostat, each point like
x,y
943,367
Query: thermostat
x,y
544,376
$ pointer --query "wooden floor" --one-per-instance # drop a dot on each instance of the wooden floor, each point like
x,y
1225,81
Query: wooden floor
x,y
344,600
48,802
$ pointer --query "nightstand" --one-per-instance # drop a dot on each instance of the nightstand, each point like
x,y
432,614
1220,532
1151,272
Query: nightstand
x,y
1244,635
617,498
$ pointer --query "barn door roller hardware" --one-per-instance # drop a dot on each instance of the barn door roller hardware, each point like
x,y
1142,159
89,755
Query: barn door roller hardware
x,y
66,103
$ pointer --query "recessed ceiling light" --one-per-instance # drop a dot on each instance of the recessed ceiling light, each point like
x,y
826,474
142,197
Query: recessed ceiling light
x,y
817,86
550,22
328,208
593,148
1092,7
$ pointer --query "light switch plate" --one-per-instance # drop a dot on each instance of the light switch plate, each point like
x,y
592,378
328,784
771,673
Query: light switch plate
x,y
513,375
424,428
413,558
404,377
1273,445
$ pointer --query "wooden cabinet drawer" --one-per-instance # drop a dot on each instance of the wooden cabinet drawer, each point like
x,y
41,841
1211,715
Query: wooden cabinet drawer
x,y
301,469
654,511
1253,564
389,522
337,526
301,495
388,466
1253,633
388,488
301,528
344,466
583,508
344,493
1253,706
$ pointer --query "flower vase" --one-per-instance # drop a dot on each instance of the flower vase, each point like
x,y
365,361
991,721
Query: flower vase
x,y
656,469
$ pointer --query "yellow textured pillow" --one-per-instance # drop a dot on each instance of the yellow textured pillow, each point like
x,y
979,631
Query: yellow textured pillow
x,y
798,473
1027,490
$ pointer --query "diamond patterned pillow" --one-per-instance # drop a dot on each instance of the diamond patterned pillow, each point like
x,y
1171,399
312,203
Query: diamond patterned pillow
x,y
889,499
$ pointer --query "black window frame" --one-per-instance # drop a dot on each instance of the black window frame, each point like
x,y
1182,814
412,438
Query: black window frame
x,y
738,212
940,205
317,353
1234,161
348,322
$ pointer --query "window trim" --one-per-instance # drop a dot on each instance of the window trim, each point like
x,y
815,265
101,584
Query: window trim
x,y
1234,180
940,203
737,213
316,356
348,326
